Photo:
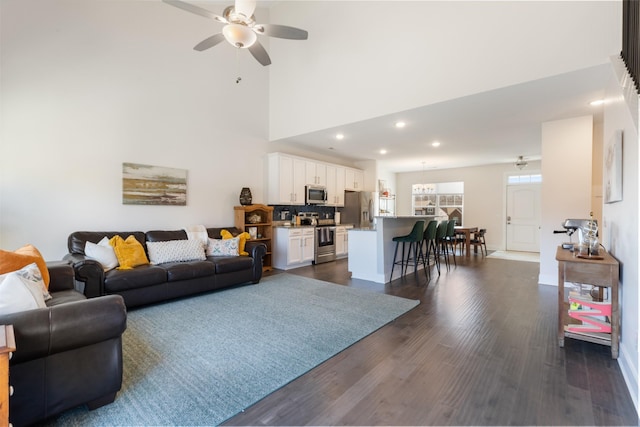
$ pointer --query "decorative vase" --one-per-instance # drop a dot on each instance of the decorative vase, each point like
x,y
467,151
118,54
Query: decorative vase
x,y
245,196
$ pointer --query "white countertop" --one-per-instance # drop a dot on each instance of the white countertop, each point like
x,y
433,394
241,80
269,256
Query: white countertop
x,y
288,225
292,226
406,216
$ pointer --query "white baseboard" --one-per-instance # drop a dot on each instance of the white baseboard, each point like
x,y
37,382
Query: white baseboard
x,y
630,376
548,279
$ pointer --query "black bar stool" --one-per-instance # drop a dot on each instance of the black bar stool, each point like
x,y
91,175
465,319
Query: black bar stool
x,y
441,235
415,245
431,245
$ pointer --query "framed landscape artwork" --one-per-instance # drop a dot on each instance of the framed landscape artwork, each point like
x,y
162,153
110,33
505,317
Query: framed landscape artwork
x,y
153,185
613,169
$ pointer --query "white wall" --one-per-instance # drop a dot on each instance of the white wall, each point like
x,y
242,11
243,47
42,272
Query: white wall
x,y
484,193
566,185
88,85
369,59
620,220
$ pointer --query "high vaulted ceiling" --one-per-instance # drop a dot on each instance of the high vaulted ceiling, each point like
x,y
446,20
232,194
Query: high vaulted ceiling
x,y
486,128
480,77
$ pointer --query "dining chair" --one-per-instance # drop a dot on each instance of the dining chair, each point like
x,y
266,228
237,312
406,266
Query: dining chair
x,y
479,240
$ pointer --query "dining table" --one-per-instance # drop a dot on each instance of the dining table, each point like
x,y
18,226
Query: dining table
x,y
466,232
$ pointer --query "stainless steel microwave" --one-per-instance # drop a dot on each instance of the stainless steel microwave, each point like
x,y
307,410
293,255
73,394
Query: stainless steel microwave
x,y
315,195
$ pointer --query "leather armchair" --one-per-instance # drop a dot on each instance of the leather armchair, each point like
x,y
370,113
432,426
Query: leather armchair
x,y
67,354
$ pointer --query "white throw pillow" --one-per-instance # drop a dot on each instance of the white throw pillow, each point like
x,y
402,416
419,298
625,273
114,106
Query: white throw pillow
x,y
175,251
33,275
20,290
223,247
102,252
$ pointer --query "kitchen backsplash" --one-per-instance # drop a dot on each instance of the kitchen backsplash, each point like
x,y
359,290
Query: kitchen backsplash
x,y
323,211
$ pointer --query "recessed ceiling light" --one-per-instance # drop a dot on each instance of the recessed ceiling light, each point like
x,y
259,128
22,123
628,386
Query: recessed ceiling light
x,y
383,151
435,144
400,125
339,136
597,102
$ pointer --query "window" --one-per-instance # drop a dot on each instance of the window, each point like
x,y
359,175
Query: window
x,y
524,179
443,200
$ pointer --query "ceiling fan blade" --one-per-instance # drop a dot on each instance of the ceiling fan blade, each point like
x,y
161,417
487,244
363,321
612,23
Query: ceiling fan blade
x,y
245,7
281,31
209,42
195,9
258,52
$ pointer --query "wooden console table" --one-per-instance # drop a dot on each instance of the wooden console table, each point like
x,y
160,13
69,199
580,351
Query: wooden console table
x,y
598,272
7,345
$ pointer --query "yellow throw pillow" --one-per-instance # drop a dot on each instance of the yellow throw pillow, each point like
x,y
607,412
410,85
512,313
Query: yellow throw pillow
x,y
13,261
243,237
129,252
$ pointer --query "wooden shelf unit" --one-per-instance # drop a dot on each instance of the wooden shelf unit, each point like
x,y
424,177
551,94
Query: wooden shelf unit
x,y
597,272
244,219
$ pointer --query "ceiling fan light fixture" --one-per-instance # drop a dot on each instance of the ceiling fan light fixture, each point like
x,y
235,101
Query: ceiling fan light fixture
x,y
520,163
239,35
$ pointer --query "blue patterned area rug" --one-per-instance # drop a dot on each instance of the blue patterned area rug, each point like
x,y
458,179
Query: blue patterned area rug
x,y
202,360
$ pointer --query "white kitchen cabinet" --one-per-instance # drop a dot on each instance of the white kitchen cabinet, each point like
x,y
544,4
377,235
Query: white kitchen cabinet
x,y
294,247
286,176
335,185
316,173
308,244
354,179
340,185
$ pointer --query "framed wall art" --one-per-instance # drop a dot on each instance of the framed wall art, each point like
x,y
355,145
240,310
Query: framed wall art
x,y
153,185
613,169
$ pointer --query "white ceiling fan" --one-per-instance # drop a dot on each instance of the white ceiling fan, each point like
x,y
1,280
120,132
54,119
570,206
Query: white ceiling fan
x,y
241,29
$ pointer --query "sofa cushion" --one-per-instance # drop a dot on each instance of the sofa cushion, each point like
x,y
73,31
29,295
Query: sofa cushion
x,y
12,261
188,270
223,247
64,297
19,292
129,251
166,235
230,264
78,239
139,277
242,240
216,232
175,251
102,252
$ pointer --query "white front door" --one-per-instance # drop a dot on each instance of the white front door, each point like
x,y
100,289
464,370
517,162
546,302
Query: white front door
x,y
523,217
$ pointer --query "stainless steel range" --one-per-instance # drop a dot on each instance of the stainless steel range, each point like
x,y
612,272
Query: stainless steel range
x,y
325,237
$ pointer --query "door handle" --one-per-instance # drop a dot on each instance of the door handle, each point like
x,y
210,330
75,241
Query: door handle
x,y
508,220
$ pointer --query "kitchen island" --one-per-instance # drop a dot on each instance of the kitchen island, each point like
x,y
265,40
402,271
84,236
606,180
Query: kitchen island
x,y
371,249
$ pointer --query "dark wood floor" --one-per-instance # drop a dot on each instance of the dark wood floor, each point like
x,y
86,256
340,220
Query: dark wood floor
x,y
480,349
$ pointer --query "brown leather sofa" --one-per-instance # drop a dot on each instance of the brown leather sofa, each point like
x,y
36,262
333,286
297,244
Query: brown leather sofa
x,y
67,354
152,283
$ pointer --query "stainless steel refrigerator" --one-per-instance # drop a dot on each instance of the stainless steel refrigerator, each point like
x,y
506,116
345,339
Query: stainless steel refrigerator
x,y
359,209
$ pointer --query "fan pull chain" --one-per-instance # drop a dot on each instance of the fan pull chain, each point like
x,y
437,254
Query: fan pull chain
x,y
238,79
